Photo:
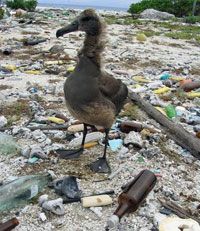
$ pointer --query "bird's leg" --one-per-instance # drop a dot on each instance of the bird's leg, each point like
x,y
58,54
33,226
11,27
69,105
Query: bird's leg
x,y
73,153
101,165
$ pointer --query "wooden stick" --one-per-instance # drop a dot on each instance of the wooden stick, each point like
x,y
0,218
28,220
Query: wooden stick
x,y
178,210
174,131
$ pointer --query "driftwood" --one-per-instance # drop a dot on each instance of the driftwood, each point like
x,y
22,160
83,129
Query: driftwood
x,y
174,131
178,210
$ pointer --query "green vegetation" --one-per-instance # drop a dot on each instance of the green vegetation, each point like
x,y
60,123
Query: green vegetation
x,y
28,5
179,8
1,13
192,19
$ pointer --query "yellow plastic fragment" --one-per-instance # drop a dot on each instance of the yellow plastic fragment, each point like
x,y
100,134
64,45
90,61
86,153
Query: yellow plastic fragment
x,y
176,78
10,67
33,72
160,109
141,79
192,95
90,145
162,90
56,120
70,69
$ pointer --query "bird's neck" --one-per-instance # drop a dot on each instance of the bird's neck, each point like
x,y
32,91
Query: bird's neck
x,y
93,47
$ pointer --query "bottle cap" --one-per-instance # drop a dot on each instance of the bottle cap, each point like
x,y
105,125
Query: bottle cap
x,y
113,221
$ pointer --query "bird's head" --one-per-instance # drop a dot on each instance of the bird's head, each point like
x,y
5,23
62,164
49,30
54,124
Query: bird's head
x,y
88,21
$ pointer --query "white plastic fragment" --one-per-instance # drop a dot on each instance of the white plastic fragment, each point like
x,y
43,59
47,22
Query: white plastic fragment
x,y
42,217
75,128
97,211
115,173
91,137
54,206
177,224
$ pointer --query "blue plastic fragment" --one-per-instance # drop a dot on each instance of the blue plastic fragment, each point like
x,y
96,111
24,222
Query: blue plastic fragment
x,y
33,159
115,144
165,76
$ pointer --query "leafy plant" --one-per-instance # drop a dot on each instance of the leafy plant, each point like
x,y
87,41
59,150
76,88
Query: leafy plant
x,y
192,19
1,13
28,5
179,8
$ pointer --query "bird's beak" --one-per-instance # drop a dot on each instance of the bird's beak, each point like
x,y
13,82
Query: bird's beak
x,y
68,29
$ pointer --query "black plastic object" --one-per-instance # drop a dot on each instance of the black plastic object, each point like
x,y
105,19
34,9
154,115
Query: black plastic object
x,y
67,187
69,153
100,166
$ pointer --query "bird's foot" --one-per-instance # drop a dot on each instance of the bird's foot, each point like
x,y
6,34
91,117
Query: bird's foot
x,y
69,153
100,166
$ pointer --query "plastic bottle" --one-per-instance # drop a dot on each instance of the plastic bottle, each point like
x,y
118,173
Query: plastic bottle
x,y
170,111
132,196
9,225
16,193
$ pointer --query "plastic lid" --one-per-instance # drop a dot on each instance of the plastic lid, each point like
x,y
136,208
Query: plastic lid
x,y
113,221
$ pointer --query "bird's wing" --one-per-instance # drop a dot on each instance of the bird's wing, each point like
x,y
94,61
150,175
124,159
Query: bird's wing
x,y
113,89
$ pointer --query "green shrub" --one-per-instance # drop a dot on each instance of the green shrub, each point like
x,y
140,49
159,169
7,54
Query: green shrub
x,y
179,8
192,19
28,5
1,13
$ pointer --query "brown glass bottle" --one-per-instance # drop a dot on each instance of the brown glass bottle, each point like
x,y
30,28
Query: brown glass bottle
x,y
128,126
133,195
9,225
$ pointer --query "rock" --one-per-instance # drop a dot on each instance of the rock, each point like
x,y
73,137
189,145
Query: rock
x,y
20,13
151,152
155,14
56,49
37,151
133,138
3,121
39,136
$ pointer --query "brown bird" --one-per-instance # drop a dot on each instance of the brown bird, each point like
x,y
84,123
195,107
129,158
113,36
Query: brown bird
x,y
92,96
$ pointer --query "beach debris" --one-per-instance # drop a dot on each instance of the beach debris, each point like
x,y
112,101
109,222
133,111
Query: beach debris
x,y
91,137
54,206
96,201
75,128
178,210
132,196
115,144
34,41
42,217
67,187
176,224
141,37
133,138
97,211
56,120
18,192
7,145
170,111
9,225
3,121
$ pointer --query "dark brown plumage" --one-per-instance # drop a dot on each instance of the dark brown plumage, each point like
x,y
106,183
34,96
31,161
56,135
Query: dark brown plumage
x,y
93,96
